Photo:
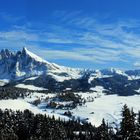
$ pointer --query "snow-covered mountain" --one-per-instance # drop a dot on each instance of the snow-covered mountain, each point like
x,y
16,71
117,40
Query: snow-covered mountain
x,y
24,64
24,67
24,71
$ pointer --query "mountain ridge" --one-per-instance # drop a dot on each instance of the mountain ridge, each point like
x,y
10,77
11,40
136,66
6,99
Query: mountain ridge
x,y
19,67
25,64
26,54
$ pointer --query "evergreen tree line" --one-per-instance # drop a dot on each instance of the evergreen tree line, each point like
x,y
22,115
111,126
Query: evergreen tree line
x,y
13,93
18,125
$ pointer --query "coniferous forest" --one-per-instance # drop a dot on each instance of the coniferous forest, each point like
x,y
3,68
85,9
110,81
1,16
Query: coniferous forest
x,y
17,125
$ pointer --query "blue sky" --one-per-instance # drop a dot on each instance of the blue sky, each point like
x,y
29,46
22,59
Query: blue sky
x,y
94,34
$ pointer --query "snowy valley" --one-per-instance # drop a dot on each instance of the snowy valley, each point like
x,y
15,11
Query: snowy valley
x,y
68,93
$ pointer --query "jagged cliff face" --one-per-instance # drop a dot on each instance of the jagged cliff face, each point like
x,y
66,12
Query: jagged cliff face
x,y
23,64
20,64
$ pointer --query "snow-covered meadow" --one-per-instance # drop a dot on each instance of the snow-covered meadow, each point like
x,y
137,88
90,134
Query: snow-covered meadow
x,y
101,106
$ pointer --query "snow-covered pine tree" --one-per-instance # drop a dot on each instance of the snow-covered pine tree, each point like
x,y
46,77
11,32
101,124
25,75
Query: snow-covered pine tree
x,y
128,126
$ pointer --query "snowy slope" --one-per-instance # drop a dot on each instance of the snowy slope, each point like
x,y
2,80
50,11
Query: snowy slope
x,y
30,69
20,104
30,87
104,106
108,107
24,64
32,55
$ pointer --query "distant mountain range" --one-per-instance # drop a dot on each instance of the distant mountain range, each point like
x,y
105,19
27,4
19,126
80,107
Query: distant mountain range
x,y
27,68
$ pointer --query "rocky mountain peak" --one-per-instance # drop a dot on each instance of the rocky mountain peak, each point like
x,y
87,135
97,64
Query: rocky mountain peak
x,y
24,50
5,53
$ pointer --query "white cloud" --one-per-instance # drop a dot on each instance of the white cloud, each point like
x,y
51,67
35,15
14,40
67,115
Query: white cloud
x,y
137,64
18,35
92,40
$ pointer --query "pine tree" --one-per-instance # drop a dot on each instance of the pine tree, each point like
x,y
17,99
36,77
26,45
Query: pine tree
x,y
103,132
138,126
128,128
